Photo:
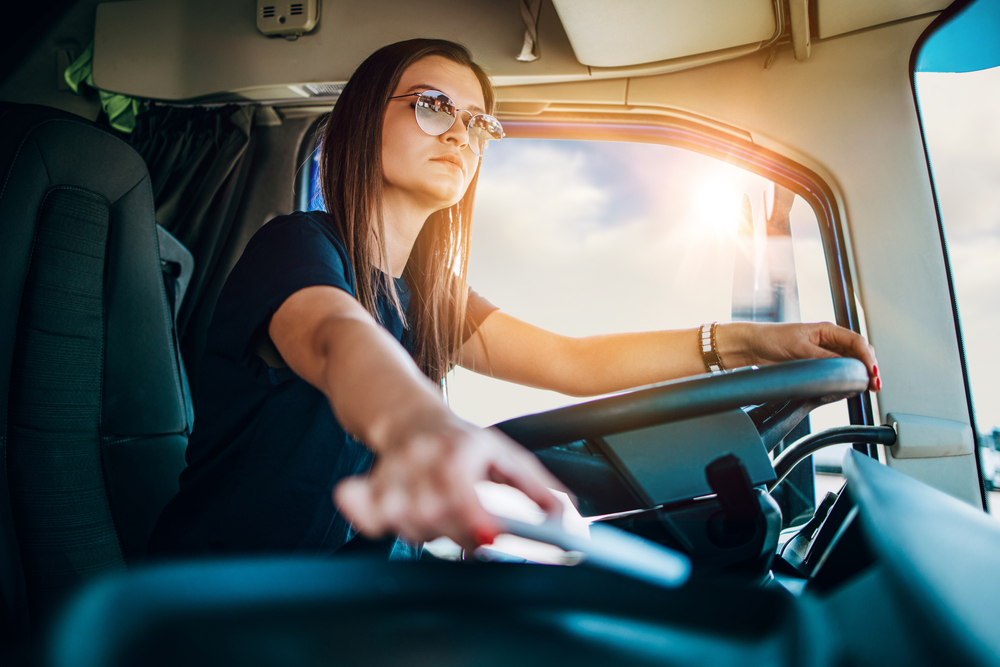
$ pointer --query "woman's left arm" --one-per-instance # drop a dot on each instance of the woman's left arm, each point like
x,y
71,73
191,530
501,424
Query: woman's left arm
x,y
506,348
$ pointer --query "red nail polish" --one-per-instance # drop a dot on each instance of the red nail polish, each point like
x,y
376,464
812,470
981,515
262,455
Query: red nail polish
x,y
875,370
878,384
484,537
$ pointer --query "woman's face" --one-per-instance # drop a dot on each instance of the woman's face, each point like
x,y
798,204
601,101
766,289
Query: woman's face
x,y
420,170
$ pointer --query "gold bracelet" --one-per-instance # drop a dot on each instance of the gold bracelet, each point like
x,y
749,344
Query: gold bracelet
x,y
710,349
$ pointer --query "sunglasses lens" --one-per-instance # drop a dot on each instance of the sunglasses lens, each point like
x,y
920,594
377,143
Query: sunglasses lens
x,y
435,112
485,134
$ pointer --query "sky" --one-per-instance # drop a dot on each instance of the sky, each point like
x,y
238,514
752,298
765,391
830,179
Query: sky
x,y
961,117
588,238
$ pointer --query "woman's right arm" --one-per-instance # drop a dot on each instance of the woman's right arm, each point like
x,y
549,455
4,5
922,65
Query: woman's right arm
x,y
428,461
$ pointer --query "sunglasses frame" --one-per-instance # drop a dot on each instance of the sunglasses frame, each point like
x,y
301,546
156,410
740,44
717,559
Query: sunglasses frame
x,y
454,118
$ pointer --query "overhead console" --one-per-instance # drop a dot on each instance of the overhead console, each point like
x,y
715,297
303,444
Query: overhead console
x,y
191,50
622,34
195,51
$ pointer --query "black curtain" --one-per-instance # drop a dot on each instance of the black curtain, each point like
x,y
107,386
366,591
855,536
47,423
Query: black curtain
x,y
198,161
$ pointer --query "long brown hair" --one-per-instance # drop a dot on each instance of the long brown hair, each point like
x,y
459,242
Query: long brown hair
x,y
351,176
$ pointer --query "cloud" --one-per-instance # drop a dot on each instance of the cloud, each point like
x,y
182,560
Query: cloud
x,y
961,116
586,238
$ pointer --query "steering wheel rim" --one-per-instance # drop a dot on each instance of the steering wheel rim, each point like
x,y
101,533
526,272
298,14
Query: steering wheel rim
x,y
689,397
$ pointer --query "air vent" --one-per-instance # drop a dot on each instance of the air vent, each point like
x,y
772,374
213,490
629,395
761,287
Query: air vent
x,y
289,20
324,89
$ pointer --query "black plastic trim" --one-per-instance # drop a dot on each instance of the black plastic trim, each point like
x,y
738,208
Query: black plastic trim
x,y
799,450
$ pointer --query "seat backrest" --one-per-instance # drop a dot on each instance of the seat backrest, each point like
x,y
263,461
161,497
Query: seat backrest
x,y
93,419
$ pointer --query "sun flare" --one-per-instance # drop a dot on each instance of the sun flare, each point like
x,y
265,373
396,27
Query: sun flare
x,y
717,205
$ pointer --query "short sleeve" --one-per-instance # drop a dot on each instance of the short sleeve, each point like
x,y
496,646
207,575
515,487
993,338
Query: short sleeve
x,y
286,255
477,310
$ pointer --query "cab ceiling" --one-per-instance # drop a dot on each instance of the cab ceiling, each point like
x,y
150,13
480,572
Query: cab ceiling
x,y
187,50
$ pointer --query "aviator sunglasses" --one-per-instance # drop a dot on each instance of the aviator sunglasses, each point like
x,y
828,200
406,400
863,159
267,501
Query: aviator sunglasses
x,y
436,113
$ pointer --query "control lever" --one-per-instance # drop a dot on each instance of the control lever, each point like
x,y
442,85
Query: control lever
x,y
804,447
610,549
736,524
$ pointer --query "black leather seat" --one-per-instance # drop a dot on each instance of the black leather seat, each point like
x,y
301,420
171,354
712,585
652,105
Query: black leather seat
x,y
94,412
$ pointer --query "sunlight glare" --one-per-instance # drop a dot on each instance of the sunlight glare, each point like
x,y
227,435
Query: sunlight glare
x,y
717,205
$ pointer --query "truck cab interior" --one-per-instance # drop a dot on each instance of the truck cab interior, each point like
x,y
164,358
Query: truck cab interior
x,y
664,165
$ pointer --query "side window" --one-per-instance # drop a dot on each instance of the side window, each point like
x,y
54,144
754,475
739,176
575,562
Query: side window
x,y
309,192
957,84
586,237
313,199
959,115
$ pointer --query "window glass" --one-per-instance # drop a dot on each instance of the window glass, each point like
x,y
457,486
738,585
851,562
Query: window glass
x,y
313,200
588,238
959,112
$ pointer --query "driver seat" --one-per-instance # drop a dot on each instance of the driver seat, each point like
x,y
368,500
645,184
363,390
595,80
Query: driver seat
x,y
94,411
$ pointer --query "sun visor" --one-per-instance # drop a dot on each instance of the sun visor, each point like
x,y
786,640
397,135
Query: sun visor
x,y
635,32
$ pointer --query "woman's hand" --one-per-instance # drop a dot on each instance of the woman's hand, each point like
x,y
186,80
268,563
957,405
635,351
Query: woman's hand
x,y
754,343
428,461
423,485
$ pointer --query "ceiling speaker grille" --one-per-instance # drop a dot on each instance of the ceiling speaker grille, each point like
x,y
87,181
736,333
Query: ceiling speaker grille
x,y
324,89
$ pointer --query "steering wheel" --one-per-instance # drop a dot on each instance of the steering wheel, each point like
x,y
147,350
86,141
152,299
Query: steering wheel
x,y
567,440
787,387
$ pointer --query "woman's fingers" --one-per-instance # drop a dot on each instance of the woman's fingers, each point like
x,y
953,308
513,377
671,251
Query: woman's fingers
x,y
786,342
530,477
847,343
354,498
426,488
476,526
414,518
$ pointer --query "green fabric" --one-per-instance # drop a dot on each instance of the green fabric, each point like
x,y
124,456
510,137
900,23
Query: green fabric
x,y
121,109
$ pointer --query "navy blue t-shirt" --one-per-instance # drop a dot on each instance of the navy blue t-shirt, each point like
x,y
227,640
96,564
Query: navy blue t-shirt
x,y
266,450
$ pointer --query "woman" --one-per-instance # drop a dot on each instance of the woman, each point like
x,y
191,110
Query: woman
x,y
336,330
